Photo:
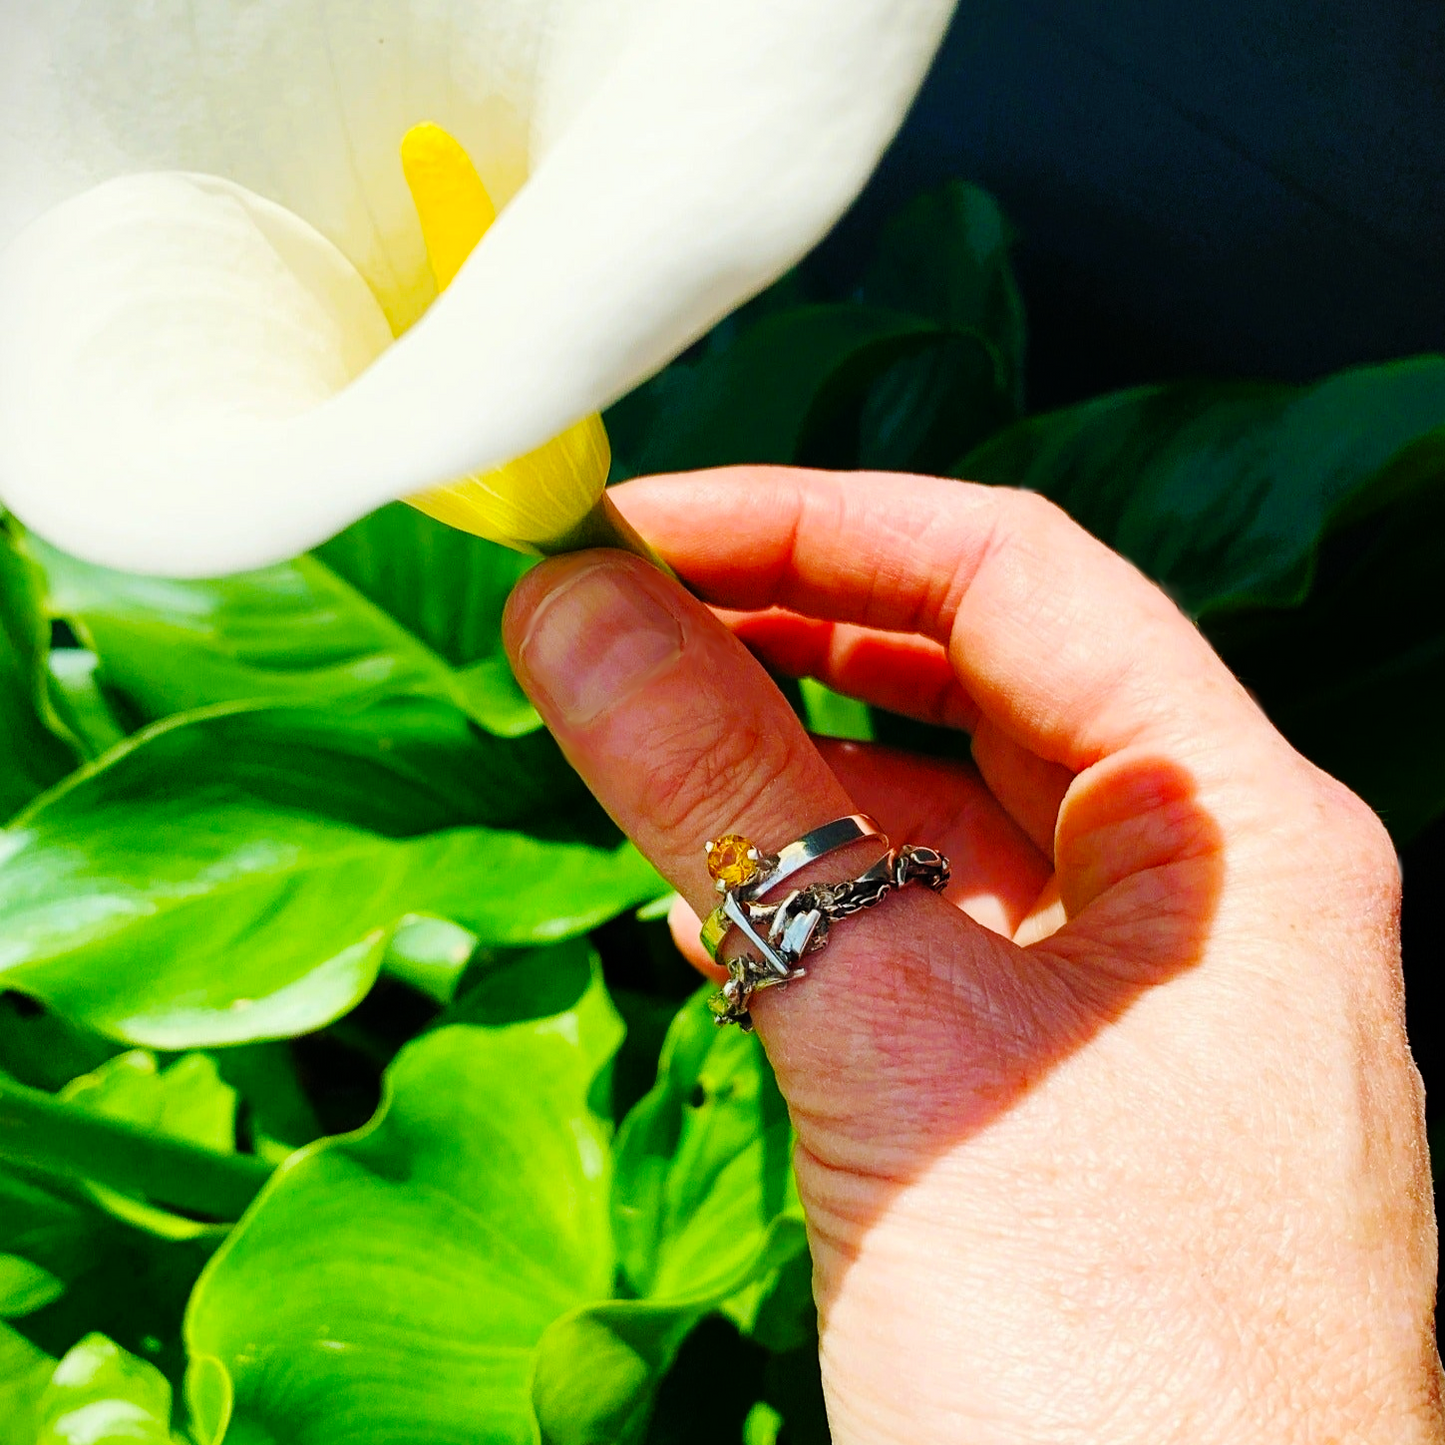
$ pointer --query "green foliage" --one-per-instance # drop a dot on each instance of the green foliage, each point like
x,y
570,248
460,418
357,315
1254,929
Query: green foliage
x,y
395,604
303,826
1301,525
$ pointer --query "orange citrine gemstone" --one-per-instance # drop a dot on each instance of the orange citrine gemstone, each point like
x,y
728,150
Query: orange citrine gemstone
x,y
732,859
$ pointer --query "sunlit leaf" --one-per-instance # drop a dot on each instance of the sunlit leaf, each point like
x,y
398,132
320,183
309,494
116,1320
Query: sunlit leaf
x,y
703,1207
99,1394
395,604
187,1100
391,1286
237,876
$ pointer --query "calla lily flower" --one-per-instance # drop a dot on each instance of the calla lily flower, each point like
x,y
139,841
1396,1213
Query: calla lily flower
x,y
218,336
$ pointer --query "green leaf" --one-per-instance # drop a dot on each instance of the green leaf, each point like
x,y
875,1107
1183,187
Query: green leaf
x,y
1221,491
1300,524
24,1373
831,715
25,1287
81,703
188,1100
430,954
702,1208
1355,675
32,756
101,1395
293,844
784,379
130,1285
945,257
703,1162
392,1285
397,604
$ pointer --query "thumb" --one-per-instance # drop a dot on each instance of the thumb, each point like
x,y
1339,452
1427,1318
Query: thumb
x,y
914,1023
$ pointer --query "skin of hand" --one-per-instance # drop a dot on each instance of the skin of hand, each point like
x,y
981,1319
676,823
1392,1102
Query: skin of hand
x,y
1118,1141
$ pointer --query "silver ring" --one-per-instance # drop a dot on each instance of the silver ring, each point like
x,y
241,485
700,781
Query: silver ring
x,y
734,857
798,924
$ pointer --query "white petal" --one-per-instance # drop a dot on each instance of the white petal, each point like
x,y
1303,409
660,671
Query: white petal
x,y
302,101
169,317
720,141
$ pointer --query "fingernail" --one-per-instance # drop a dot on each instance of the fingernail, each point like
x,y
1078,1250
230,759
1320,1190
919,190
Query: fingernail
x,y
597,639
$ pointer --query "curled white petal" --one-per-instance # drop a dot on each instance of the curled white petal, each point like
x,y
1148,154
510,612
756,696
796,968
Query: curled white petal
x,y
170,318
681,153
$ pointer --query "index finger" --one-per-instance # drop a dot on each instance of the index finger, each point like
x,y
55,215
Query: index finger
x,y
1061,643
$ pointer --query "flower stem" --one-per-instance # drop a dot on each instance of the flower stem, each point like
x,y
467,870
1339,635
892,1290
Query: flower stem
x,y
605,526
61,1138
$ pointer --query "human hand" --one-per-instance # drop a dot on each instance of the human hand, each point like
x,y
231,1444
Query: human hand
x,y
1121,1139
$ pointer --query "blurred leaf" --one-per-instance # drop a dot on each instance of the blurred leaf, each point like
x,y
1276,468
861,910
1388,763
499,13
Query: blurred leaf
x,y
391,1285
81,703
101,1395
32,756
945,257
187,1100
39,1048
1302,525
430,955
397,604
25,1287
237,876
276,1115
24,1373
1221,491
831,715
1355,676
786,378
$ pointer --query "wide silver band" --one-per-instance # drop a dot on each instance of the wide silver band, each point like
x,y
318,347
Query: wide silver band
x,y
777,867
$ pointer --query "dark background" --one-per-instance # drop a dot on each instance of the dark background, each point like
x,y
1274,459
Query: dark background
x,y
1239,188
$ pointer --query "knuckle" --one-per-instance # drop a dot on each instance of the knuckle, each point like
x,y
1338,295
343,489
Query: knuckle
x,y
1365,848
712,770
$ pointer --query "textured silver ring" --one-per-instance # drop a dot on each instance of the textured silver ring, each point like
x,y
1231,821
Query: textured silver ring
x,y
742,872
786,931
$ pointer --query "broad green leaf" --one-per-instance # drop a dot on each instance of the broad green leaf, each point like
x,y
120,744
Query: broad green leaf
x,y
397,604
945,257
32,756
1355,675
703,1162
1221,491
759,399
238,875
391,1286
99,1394
702,1208
187,1100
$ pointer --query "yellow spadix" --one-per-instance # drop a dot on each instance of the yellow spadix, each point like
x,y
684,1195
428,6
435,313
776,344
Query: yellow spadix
x,y
551,499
